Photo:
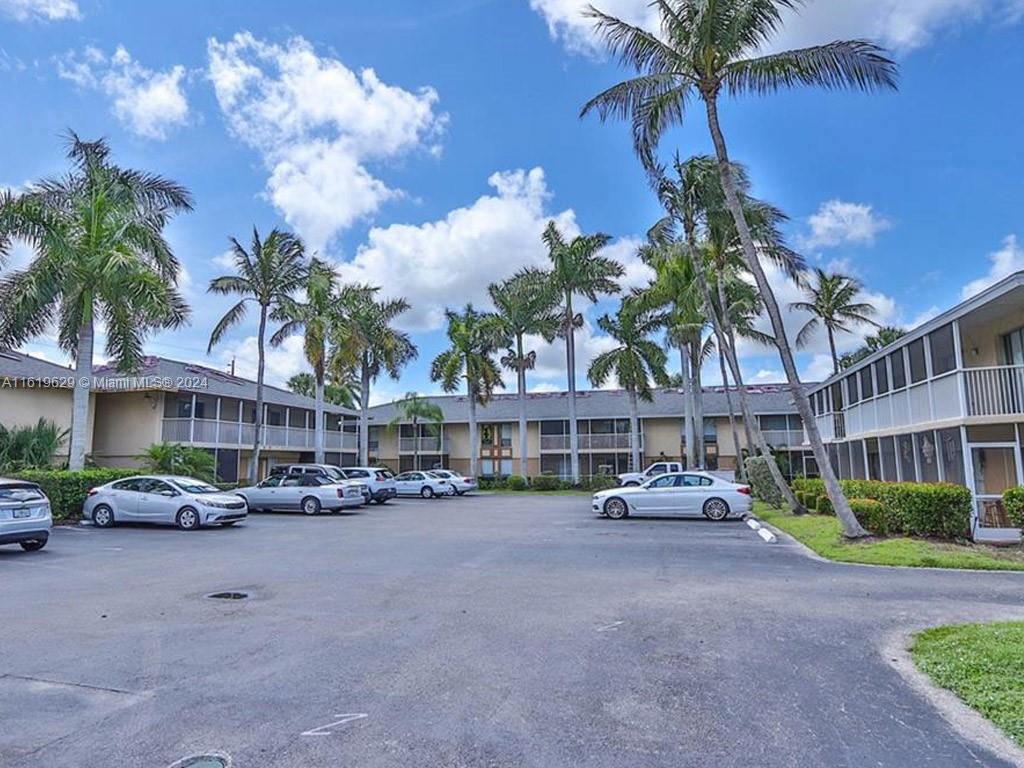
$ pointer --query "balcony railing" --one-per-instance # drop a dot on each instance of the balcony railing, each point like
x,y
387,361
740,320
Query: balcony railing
x,y
233,434
588,442
995,391
423,444
783,437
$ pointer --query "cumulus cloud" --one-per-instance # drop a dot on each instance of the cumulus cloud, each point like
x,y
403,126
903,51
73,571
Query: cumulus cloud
x,y
318,126
902,25
149,103
1004,262
283,362
40,10
841,223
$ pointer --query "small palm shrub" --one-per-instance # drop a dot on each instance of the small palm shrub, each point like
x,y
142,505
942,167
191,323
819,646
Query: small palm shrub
x,y
546,483
823,506
599,483
177,459
30,447
1013,501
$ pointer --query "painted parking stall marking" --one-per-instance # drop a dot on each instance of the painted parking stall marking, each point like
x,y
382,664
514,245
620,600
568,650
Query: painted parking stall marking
x,y
326,730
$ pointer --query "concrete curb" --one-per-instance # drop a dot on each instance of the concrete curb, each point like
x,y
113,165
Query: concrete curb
x,y
967,722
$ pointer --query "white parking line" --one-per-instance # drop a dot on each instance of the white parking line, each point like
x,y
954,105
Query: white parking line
x,y
609,627
322,730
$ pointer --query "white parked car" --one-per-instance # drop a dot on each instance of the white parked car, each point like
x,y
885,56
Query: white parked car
x,y
379,480
168,499
678,493
305,492
656,469
333,473
460,483
422,484
25,516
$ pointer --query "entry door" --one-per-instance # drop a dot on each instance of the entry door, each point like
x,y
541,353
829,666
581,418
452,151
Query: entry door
x,y
996,468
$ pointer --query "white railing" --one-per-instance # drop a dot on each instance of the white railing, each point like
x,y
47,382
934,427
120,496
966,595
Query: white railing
x,y
588,442
423,445
783,437
231,433
995,391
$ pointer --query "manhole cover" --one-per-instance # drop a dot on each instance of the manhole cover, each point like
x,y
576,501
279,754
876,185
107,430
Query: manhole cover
x,y
202,761
224,596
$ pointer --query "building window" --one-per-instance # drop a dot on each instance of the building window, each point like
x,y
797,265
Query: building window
x,y
837,397
857,460
866,390
844,461
851,389
874,459
927,456
833,457
881,377
227,465
554,427
943,350
918,368
774,423
905,449
899,374
951,451
1013,348
887,448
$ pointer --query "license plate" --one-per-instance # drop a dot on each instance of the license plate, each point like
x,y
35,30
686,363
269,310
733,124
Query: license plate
x,y
23,513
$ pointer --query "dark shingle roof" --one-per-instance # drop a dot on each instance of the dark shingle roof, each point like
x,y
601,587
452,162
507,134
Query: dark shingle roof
x,y
598,404
17,364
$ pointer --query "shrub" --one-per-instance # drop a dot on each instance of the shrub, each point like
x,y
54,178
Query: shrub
x,y
600,483
871,514
492,483
30,447
823,506
940,510
546,483
67,490
1013,500
800,496
761,482
177,459
516,483
811,501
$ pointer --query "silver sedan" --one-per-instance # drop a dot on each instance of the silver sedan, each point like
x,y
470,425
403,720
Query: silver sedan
x,y
678,493
167,499
307,493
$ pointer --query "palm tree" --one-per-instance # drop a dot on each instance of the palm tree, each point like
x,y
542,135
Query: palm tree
x,y
831,302
344,393
416,409
100,255
366,345
313,319
885,336
636,362
523,305
706,46
473,337
577,269
178,459
267,275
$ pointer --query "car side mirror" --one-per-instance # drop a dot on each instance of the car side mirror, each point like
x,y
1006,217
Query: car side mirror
x,y
168,493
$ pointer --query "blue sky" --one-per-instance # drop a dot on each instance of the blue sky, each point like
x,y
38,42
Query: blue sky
x,y
433,174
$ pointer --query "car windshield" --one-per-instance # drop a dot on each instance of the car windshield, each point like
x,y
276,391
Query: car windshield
x,y
191,485
335,474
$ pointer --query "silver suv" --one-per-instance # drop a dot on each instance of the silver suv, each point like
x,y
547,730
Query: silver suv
x,y
330,471
25,517
379,480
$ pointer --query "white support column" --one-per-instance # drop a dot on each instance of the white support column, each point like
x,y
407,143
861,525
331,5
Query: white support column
x,y
961,388
192,421
216,428
969,477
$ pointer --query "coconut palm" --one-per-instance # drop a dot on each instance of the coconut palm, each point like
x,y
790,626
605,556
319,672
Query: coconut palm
x,y
344,392
100,256
523,305
883,338
707,47
831,302
366,345
473,338
577,269
312,318
416,410
178,459
266,275
636,362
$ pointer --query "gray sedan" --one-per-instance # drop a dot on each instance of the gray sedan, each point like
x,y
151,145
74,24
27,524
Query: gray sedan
x,y
167,499
303,492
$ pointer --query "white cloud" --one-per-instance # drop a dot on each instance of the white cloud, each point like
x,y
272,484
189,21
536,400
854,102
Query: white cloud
x,y
840,223
318,125
902,25
281,362
1005,261
149,103
40,10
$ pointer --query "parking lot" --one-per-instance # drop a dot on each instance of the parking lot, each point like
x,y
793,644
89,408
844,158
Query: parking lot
x,y
474,631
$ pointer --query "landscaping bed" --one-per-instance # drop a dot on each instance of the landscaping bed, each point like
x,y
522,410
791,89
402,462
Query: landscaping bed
x,y
983,665
823,534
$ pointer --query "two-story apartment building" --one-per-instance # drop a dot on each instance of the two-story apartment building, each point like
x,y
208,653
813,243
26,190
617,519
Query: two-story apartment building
x,y
944,403
604,435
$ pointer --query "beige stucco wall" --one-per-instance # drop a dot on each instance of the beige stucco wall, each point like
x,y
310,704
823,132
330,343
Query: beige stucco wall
x,y
24,408
125,425
458,441
662,436
986,339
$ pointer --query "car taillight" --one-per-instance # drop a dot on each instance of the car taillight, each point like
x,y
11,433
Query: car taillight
x,y
341,493
467,480
745,490
92,492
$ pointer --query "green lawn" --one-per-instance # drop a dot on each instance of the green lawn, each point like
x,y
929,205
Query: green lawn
x,y
983,665
507,492
823,535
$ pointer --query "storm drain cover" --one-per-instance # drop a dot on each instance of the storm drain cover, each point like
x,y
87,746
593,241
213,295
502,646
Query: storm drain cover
x,y
225,596
201,761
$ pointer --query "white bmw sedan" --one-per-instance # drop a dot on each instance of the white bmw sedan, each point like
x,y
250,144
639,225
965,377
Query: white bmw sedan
x,y
679,493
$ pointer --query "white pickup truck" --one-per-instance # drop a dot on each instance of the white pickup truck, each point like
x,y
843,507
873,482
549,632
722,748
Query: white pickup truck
x,y
661,468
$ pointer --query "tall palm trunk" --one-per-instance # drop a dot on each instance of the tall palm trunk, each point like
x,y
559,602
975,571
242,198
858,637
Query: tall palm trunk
x,y
723,305
258,426
318,416
832,348
570,360
851,528
364,412
521,383
634,432
697,393
81,393
474,445
415,444
689,437
740,469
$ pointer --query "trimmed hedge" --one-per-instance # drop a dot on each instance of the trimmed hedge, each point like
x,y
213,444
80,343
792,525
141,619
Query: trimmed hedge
x,y
823,506
546,483
759,476
871,514
67,489
1013,500
599,483
516,483
811,501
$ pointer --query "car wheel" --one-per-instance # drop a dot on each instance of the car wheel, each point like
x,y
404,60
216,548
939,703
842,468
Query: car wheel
x,y
616,508
188,519
311,505
35,545
427,492
716,509
103,516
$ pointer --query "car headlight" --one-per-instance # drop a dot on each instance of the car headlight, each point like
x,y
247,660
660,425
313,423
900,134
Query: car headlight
x,y
212,503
